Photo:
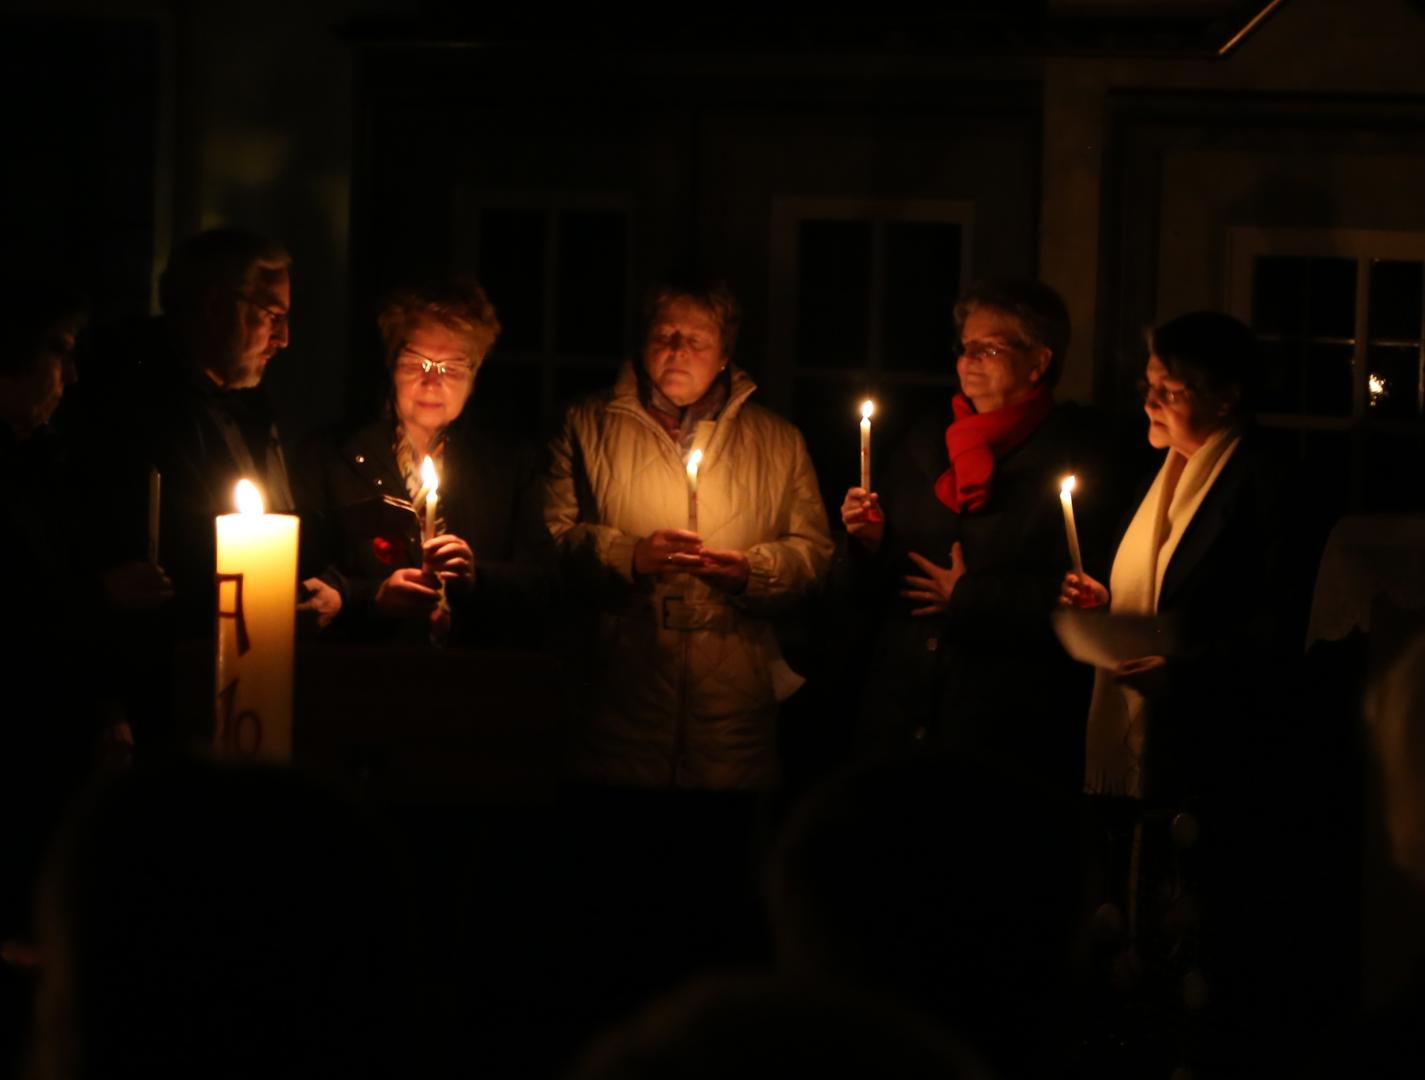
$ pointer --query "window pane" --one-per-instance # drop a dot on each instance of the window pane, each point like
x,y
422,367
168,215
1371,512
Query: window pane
x,y
511,267
1396,292
572,383
1281,375
593,276
833,293
1393,381
1328,380
922,278
1333,298
1279,295
509,390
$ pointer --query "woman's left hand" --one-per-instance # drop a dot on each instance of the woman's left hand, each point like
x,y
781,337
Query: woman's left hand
x,y
449,558
725,568
934,589
1146,674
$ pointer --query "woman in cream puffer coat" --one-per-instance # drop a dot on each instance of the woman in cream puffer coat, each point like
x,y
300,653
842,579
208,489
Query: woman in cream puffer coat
x,y
684,671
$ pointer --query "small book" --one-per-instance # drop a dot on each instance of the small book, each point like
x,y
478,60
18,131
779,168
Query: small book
x,y
388,518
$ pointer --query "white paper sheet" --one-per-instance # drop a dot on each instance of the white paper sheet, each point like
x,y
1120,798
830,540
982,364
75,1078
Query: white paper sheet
x,y
1104,640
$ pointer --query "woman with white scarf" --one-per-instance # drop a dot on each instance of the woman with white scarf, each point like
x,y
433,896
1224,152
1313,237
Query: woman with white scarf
x,y
1183,747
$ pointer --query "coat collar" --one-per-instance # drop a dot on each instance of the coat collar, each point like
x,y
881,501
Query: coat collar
x,y
626,389
1206,527
625,400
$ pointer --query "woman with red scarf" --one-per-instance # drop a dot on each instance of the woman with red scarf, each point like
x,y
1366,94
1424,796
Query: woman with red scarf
x,y
954,562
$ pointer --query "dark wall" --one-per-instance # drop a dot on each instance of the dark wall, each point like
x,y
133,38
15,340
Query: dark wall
x,y
702,154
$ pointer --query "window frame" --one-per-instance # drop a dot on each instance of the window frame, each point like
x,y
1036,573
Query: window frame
x,y
788,213
1245,244
468,206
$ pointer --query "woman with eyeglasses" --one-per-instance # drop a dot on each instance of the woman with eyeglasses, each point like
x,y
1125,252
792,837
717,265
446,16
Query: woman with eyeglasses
x,y
1200,549
484,575
1187,746
953,563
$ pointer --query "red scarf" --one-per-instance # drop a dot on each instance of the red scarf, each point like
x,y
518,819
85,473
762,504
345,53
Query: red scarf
x,y
975,441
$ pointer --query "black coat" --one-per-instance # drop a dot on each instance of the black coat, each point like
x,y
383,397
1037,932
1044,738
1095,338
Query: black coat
x,y
1236,587
491,497
152,408
987,677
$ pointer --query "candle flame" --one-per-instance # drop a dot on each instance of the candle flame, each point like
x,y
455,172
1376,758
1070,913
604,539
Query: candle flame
x,y
249,499
867,408
429,477
694,460
1068,485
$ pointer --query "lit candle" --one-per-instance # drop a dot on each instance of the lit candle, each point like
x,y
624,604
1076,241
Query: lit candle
x,y
257,615
1066,497
867,408
431,482
155,487
695,459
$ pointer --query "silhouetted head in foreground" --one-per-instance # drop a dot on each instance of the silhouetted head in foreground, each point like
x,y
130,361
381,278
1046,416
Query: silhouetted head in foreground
x,y
212,921
762,1026
945,882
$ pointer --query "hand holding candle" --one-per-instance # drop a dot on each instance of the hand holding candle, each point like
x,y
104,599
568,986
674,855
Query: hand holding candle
x,y
1066,498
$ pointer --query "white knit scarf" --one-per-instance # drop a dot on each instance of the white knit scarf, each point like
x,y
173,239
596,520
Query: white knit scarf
x,y
1119,715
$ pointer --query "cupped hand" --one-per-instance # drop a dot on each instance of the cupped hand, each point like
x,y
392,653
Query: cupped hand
x,y
408,592
667,550
449,558
321,604
1081,591
724,568
934,590
1146,674
861,514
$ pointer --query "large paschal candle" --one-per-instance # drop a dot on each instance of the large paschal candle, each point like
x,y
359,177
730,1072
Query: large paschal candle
x,y
257,617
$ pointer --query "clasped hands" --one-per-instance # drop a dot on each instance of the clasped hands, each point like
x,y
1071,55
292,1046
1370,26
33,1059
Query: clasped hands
x,y
682,551
1146,674
934,585
410,592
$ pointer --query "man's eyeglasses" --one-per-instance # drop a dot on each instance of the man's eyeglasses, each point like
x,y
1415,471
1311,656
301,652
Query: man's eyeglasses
x,y
1147,392
989,350
275,317
412,365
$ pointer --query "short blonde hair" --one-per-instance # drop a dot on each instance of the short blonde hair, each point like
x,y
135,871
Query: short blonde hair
x,y
459,304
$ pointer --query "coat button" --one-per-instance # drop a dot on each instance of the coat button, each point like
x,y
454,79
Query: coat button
x,y
378,481
932,645
361,459
919,734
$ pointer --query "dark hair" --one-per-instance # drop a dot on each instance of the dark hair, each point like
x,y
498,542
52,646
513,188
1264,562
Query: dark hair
x,y
759,1025
1039,309
32,313
712,295
1211,352
459,304
238,936
217,258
